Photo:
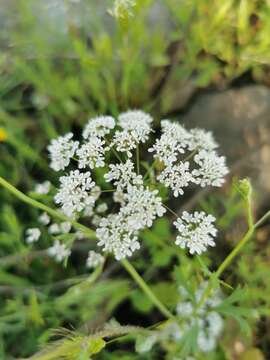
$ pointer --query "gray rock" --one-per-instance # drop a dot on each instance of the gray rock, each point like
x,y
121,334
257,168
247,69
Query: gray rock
x,y
240,121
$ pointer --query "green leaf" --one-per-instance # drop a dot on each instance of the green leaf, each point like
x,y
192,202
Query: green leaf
x,y
96,345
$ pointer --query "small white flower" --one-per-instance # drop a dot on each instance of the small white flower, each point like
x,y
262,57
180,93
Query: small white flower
x,y
89,210
115,236
176,177
65,227
96,220
124,141
43,188
59,251
74,193
32,235
101,208
99,126
44,219
61,150
136,126
54,229
196,231
79,235
184,309
122,175
205,342
94,259
91,154
201,139
142,207
212,169
173,142
137,123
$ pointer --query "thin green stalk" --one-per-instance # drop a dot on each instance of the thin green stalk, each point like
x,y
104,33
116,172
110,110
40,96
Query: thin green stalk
x,y
28,200
170,210
56,214
139,280
227,261
262,219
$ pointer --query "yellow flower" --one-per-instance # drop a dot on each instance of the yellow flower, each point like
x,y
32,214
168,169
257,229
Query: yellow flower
x,y
3,134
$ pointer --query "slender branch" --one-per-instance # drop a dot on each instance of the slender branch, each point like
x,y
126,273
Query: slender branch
x,y
227,261
170,210
139,280
56,214
262,219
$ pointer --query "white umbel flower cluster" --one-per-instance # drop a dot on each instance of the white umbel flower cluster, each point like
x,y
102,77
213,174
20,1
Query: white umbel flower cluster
x,y
43,188
177,147
74,194
131,199
196,231
59,251
91,154
61,150
210,323
118,233
32,235
122,175
98,127
94,259
135,129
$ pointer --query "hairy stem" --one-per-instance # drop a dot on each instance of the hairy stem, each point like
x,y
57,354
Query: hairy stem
x,y
56,214
139,280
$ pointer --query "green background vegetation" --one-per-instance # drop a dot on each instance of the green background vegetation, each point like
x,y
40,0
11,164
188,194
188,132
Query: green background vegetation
x,y
54,75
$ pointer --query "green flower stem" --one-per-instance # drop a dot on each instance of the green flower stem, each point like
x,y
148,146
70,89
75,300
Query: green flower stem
x,y
227,261
139,280
28,200
56,214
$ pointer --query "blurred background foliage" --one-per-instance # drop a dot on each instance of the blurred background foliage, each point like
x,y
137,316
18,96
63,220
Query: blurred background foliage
x,y
65,61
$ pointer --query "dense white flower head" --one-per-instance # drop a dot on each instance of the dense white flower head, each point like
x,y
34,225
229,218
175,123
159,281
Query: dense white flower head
x,y
124,141
61,150
74,194
142,207
176,177
201,139
136,127
98,127
94,259
196,231
122,175
210,323
138,123
118,233
32,235
212,169
59,251
91,154
43,188
115,236
173,142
